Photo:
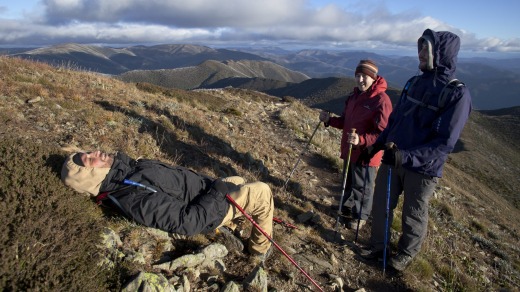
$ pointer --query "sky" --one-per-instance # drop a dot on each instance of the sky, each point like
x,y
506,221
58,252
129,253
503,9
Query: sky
x,y
485,27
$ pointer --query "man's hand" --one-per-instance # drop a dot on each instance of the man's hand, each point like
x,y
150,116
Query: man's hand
x,y
219,189
369,152
324,117
392,155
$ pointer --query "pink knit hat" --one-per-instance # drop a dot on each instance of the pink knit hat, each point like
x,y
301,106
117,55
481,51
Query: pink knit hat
x,y
367,67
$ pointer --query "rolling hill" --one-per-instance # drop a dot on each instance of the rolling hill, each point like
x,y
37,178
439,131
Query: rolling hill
x,y
212,72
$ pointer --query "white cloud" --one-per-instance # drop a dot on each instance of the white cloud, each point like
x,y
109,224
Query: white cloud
x,y
231,22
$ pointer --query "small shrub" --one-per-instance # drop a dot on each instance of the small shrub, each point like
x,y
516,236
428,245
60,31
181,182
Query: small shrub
x,y
43,224
444,210
233,111
422,269
289,99
477,226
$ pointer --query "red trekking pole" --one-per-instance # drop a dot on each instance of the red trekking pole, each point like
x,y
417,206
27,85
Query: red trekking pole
x,y
272,241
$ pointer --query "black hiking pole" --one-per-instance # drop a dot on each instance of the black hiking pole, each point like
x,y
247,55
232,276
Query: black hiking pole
x,y
362,199
387,214
301,154
344,185
272,241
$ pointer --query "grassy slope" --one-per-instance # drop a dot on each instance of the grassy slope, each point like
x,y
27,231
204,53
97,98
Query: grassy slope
x,y
473,236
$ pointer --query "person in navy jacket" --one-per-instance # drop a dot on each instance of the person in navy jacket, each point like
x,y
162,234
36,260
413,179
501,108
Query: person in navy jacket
x,y
422,130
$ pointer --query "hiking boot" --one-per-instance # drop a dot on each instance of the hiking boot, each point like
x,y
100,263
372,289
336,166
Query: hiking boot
x,y
260,258
400,261
353,224
370,254
231,242
345,211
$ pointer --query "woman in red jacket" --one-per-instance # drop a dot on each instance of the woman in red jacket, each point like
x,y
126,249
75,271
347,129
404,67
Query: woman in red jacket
x,y
367,109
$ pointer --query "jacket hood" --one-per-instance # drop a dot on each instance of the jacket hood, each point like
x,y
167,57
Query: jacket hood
x,y
83,179
445,49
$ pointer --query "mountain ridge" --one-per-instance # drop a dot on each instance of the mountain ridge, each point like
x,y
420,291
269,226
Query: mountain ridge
x,y
493,84
210,72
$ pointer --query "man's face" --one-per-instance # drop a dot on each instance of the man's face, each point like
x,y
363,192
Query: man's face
x,y
363,81
97,159
423,57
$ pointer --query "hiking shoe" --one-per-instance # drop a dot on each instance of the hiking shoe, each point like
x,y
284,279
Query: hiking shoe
x,y
345,211
260,258
370,254
400,261
231,242
353,224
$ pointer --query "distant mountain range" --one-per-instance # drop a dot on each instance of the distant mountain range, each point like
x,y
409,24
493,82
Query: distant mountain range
x,y
317,77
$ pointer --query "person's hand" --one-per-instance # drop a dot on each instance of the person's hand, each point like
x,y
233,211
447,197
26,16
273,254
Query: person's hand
x,y
369,152
353,138
324,117
392,155
219,189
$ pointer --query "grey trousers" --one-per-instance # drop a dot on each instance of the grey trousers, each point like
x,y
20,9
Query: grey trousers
x,y
417,189
361,192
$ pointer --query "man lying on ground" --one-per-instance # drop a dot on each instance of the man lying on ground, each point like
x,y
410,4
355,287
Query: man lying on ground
x,y
171,198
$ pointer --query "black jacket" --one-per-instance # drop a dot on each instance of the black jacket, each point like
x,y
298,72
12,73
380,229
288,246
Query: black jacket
x,y
185,202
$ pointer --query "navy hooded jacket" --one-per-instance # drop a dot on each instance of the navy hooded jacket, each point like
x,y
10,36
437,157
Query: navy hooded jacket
x,y
423,136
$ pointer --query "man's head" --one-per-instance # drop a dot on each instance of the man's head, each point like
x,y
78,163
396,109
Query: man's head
x,y
438,51
425,48
85,171
366,74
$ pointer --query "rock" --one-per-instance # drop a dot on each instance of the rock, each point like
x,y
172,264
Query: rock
x,y
302,218
213,254
35,100
257,280
110,239
148,282
339,283
186,287
185,261
231,287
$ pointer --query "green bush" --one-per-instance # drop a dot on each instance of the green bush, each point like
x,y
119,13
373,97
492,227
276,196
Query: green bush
x,y
49,234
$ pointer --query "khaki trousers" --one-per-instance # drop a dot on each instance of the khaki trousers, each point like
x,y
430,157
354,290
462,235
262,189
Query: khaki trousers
x,y
256,199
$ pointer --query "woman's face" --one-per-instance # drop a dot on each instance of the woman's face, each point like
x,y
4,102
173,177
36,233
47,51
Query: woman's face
x,y
363,81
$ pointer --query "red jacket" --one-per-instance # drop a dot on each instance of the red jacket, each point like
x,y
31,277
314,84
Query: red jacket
x,y
368,113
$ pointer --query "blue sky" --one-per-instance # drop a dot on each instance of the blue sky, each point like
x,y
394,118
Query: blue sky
x,y
393,25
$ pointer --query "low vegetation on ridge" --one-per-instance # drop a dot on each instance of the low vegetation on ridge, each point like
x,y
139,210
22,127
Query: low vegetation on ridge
x,y
51,235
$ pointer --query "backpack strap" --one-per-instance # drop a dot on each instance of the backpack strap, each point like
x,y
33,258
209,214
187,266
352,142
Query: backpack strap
x,y
443,96
447,90
409,84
